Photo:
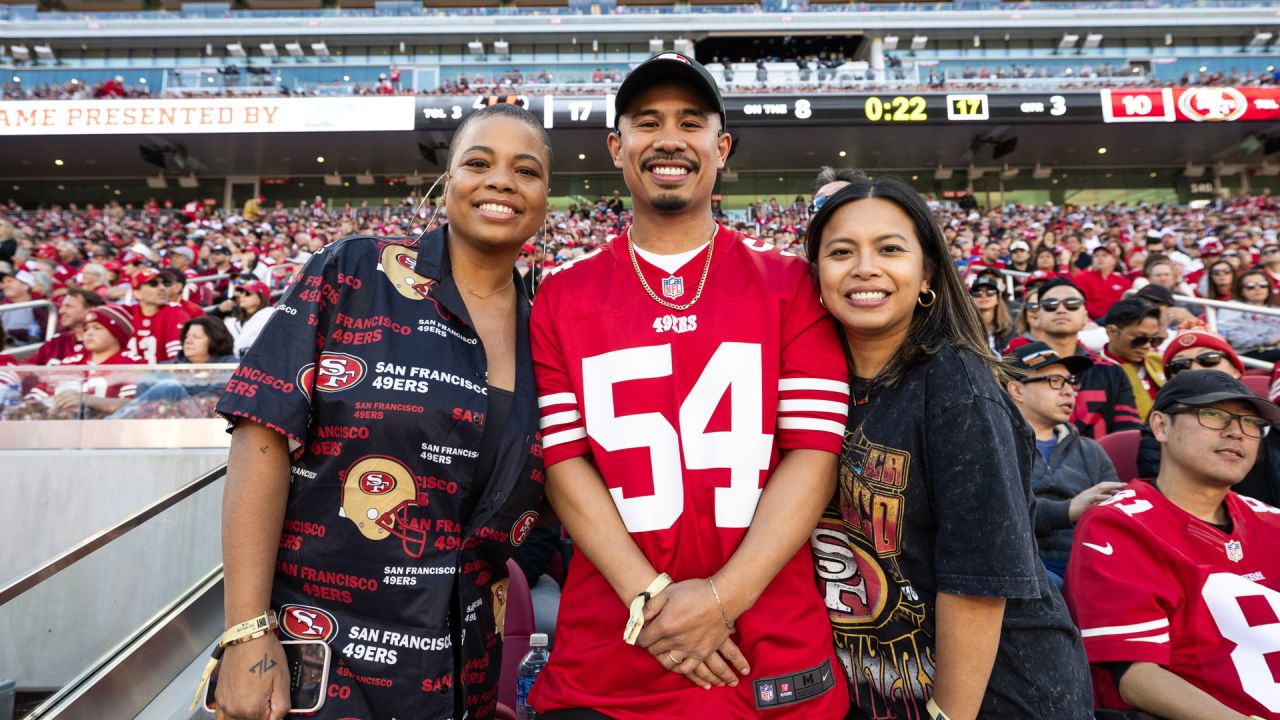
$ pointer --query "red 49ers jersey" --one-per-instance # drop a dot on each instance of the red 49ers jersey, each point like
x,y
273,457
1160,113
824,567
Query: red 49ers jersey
x,y
685,413
157,338
1148,582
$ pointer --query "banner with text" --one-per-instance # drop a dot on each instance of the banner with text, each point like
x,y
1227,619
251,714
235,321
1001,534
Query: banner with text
x,y
206,115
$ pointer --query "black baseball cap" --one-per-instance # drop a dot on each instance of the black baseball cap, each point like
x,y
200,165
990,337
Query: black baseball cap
x,y
1206,387
664,68
1036,355
1156,295
985,281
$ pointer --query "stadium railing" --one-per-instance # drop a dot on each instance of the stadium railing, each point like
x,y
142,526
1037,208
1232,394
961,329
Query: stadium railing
x,y
1211,308
54,402
50,324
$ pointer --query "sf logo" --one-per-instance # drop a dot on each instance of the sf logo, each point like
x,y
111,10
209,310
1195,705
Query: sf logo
x,y
338,371
376,483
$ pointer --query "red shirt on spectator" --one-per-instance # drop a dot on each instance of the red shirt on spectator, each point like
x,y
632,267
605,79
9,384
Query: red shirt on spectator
x,y
1101,292
99,383
56,350
157,338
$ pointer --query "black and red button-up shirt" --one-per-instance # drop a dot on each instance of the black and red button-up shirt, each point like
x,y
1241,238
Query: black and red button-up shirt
x,y
393,550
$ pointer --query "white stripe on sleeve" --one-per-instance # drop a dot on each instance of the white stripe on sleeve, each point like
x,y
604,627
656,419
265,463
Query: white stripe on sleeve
x,y
822,406
554,439
821,384
1125,629
559,418
804,423
557,399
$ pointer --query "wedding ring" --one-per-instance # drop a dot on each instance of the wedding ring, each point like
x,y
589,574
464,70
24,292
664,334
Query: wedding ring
x,y
673,659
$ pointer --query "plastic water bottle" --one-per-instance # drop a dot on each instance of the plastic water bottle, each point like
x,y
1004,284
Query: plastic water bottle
x,y
530,666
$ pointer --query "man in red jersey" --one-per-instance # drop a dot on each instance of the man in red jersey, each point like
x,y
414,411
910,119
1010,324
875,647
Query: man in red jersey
x,y
693,397
71,314
157,322
1174,584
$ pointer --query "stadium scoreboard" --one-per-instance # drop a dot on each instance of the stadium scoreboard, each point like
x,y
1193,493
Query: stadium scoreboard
x,y
1119,105
445,112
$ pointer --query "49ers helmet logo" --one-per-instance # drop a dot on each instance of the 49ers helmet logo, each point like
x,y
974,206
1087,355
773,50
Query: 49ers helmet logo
x,y
377,493
304,622
376,482
338,371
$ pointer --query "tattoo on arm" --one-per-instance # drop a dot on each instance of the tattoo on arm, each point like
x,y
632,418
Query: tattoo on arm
x,y
263,665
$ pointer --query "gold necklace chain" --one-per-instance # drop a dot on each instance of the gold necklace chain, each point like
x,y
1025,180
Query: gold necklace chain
x,y
706,268
486,296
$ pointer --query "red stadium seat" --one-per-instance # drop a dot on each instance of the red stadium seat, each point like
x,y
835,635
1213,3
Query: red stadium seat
x,y
1260,385
519,627
1122,448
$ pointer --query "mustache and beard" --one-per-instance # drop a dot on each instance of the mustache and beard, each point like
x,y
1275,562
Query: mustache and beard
x,y
670,202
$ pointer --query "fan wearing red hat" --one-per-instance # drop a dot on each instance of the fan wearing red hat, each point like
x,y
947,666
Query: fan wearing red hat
x,y
1204,350
108,330
1102,284
157,322
253,310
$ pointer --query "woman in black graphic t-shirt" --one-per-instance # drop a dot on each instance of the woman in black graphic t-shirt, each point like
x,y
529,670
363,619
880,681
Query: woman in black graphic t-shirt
x,y
926,555
385,461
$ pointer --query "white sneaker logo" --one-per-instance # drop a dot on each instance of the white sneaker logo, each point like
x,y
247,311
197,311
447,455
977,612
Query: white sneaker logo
x,y
1104,549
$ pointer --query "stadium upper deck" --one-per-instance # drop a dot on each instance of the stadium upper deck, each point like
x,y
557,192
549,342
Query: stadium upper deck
x,y
1043,88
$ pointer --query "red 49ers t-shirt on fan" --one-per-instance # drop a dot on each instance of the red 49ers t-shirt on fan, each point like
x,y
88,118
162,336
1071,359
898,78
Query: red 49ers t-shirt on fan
x,y
158,337
1148,582
685,414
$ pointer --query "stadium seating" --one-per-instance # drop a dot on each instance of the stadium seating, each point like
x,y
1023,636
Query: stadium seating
x,y
1260,385
519,627
1122,448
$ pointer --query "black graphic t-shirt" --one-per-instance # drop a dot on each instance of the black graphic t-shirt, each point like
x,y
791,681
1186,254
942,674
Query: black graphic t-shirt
x,y
394,548
933,495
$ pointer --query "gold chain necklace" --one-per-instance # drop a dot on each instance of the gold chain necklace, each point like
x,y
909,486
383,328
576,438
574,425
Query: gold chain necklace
x,y
706,268
485,296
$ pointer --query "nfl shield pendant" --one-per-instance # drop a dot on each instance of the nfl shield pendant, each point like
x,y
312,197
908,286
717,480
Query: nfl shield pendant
x,y
1235,551
672,287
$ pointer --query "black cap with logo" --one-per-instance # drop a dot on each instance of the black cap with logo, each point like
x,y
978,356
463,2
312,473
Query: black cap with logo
x,y
1036,355
669,67
1198,388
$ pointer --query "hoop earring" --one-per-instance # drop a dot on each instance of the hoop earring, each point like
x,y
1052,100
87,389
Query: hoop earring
x,y
821,302
933,298
427,196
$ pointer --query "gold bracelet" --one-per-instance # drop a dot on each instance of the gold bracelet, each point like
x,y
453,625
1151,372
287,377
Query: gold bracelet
x,y
249,630
723,615
242,633
635,622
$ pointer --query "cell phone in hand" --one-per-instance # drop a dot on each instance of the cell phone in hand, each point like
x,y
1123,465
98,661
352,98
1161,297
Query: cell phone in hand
x,y
308,662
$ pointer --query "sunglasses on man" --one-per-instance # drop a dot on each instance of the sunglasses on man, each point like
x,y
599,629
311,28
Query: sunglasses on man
x,y
1153,341
158,282
1205,360
1052,304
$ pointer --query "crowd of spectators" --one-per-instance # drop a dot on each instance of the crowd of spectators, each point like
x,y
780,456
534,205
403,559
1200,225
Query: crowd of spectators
x,y
166,266
815,73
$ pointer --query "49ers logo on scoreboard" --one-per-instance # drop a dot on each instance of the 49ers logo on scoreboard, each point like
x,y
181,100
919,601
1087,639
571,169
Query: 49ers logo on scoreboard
x,y
335,372
304,622
1213,104
376,482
